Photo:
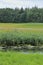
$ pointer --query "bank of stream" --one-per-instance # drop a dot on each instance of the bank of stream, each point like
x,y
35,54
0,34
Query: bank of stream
x,y
24,49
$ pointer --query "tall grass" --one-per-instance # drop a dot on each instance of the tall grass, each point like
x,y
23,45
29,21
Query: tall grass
x,y
15,38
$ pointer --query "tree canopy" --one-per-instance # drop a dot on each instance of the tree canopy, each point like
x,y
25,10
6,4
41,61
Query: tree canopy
x,y
27,15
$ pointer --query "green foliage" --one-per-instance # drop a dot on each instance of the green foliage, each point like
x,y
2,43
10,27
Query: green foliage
x,y
19,58
20,38
21,15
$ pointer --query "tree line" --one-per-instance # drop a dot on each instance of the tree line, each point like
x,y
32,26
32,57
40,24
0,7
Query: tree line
x,y
27,15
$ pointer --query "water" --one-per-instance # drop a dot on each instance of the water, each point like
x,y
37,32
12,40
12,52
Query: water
x,y
31,52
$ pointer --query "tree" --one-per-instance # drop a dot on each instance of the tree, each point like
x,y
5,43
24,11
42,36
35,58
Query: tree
x,y
17,15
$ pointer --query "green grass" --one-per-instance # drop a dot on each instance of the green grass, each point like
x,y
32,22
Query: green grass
x,y
16,32
22,25
32,27
17,58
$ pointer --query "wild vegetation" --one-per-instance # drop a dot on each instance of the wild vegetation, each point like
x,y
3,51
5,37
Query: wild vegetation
x,y
21,29
17,15
19,36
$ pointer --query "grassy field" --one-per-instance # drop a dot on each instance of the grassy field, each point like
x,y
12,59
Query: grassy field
x,y
23,28
17,58
22,25
20,32
35,27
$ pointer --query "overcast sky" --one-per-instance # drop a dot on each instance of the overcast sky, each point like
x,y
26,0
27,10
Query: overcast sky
x,y
20,3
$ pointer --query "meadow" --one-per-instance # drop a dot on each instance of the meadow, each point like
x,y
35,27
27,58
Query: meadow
x,y
21,25
21,35
17,58
25,33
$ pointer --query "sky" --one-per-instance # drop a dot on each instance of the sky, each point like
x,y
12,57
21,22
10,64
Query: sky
x,y
21,3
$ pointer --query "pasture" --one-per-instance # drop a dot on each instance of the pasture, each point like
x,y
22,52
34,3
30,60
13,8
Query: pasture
x,y
23,27
17,58
24,33
17,34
